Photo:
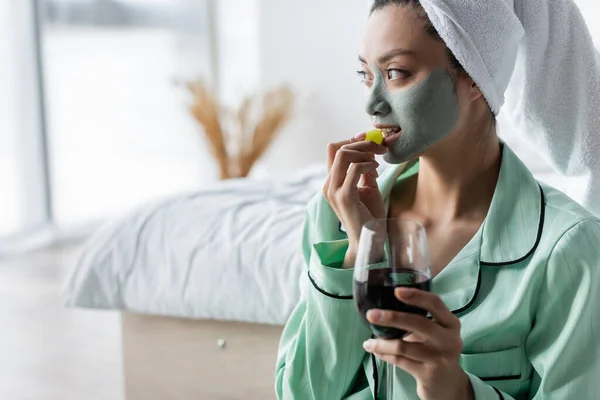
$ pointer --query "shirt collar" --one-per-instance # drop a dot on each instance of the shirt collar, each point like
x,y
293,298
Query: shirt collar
x,y
512,228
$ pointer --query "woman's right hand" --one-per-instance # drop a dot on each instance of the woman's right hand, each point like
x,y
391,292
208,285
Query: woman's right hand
x,y
351,187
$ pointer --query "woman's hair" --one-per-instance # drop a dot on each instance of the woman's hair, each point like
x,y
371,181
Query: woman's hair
x,y
429,28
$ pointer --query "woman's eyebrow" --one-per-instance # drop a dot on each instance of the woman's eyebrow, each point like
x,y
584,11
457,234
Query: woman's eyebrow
x,y
394,53
389,55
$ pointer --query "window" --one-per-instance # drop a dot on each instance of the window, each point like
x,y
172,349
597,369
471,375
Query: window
x,y
10,211
119,132
23,188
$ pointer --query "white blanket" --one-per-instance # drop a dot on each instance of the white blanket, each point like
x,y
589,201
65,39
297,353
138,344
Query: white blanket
x,y
231,252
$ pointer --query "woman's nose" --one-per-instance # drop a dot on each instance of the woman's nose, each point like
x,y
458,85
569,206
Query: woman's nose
x,y
377,104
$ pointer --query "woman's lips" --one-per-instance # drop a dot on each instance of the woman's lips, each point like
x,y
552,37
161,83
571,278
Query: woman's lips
x,y
391,133
390,140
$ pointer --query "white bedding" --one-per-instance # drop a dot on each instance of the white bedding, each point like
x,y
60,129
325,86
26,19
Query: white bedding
x,y
231,252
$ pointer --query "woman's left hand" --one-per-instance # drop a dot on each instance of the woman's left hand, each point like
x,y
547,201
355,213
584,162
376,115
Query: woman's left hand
x,y
431,353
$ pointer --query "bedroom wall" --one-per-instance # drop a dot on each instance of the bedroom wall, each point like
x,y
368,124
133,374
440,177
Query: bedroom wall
x,y
235,28
314,45
310,44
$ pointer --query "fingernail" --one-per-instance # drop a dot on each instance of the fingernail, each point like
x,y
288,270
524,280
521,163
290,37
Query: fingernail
x,y
405,293
368,345
374,315
360,136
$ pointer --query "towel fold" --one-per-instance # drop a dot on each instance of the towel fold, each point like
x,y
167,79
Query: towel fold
x,y
553,100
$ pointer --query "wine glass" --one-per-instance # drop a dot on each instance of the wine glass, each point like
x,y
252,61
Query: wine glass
x,y
391,253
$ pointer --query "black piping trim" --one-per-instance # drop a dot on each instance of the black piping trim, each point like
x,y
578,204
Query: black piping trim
x,y
488,264
501,378
474,299
537,240
499,393
375,376
333,296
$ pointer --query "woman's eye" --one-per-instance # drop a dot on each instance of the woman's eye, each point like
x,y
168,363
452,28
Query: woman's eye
x,y
363,76
397,74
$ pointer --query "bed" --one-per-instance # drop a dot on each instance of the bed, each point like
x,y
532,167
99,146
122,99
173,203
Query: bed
x,y
205,282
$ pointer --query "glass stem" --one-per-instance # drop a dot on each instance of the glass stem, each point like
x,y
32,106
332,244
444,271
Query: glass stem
x,y
390,373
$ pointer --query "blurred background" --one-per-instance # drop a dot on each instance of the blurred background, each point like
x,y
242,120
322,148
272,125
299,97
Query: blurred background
x,y
95,123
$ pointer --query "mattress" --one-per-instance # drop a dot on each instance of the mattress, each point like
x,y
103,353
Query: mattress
x,y
229,252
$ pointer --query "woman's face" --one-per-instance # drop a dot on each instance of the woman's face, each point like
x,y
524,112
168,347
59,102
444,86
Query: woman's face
x,y
412,90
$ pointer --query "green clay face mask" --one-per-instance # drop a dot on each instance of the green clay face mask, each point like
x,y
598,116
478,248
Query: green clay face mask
x,y
426,112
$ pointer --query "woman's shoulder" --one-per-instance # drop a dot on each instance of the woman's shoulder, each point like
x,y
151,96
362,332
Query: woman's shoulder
x,y
563,210
569,229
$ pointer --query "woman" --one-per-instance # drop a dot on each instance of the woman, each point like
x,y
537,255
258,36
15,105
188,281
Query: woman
x,y
515,264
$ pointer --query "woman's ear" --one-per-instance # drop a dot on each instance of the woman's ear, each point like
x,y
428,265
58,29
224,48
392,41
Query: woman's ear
x,y
474,91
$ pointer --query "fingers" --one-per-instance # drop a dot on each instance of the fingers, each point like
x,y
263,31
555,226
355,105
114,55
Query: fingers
x,y
356,143
344,158
360,137
355,172
370,180
338,172
367,146
332,148
414,368
418,324
348,181
432,355
414,338
414,351
348,154
430,302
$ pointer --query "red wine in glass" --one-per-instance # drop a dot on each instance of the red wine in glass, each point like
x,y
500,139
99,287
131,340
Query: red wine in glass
x,y
378,292
391,253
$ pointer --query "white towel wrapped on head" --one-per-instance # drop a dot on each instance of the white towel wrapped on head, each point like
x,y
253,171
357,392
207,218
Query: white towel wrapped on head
x,y
553,100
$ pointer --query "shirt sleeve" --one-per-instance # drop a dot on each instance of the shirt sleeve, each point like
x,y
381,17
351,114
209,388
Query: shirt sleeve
x,y
564,343
320,354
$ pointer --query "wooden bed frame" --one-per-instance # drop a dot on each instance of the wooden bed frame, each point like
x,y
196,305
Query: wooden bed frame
x,y
180,359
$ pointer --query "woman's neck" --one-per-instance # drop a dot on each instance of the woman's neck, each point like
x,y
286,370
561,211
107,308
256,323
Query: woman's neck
x,y
458,182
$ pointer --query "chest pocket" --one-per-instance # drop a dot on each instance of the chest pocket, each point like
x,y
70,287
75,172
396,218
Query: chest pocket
x,y
501,369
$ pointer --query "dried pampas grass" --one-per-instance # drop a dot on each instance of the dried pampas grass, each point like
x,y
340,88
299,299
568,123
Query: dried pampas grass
x,y
255,124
